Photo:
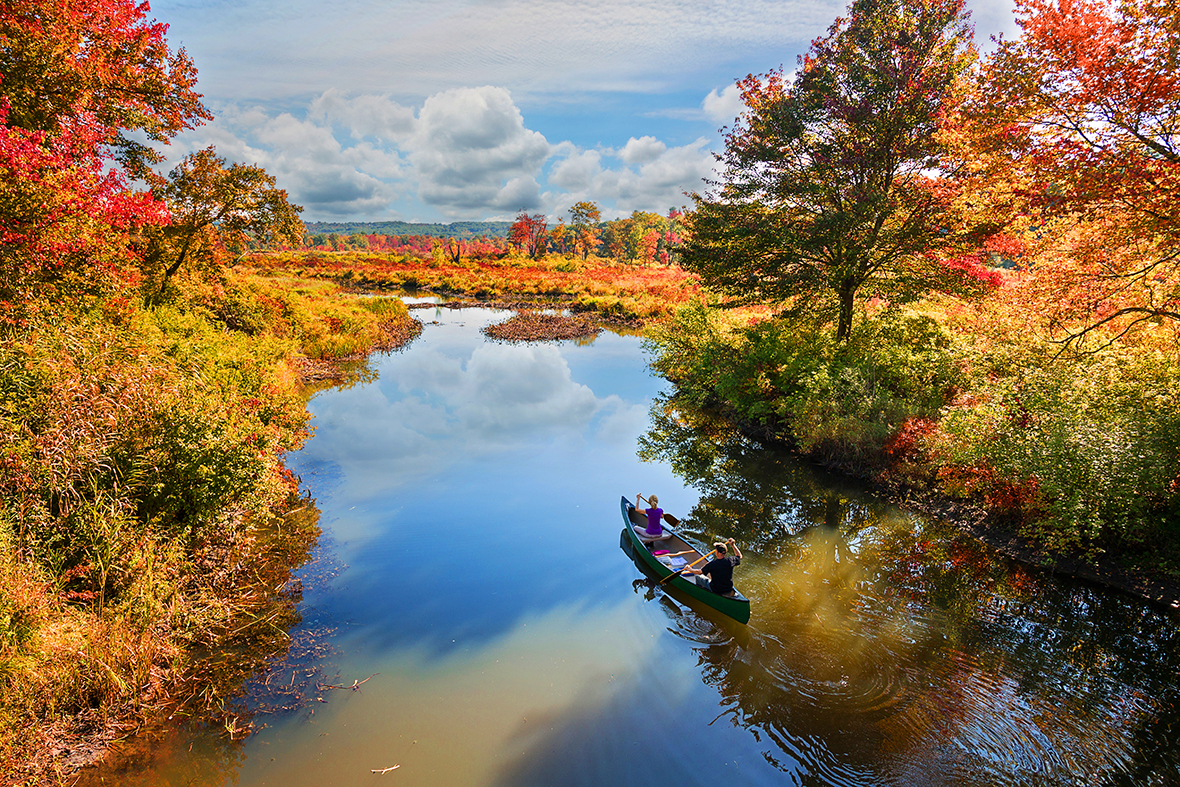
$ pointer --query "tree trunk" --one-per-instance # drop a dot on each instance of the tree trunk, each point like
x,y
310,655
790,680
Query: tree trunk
x,y
847,295
154,300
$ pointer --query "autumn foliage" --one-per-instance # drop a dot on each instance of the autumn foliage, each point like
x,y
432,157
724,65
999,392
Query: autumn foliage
x,y
147,395
1052,400
102,65
528,235
75,79
1073,134
617,291
826,196
67,219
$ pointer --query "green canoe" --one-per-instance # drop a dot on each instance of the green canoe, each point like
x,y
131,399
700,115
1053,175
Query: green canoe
x,y
735,606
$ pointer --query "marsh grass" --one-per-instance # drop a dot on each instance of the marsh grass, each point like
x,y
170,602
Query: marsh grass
x,y
618,292
142,492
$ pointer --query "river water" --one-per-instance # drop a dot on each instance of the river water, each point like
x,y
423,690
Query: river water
x,y
470,506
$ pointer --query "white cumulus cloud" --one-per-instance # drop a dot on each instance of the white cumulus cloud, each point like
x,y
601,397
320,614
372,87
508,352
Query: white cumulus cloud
x,y
661,182
466,153
471,152
723,106
642,150
364,116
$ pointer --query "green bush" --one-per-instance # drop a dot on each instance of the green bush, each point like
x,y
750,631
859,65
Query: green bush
x,y
1095,442
840,402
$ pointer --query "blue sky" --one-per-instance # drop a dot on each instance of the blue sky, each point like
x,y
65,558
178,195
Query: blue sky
x,y
444,110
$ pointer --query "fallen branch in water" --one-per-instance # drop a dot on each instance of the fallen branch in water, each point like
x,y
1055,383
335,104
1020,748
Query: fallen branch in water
x,y
384,770
355,685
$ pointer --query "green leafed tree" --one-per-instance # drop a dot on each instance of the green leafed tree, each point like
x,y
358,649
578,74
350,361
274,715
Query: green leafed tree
x,y
827,193
218,210
616,237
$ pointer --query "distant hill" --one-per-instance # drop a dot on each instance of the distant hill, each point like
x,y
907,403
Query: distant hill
x,y
456,229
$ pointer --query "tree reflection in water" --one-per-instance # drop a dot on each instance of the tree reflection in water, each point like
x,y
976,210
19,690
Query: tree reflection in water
x,y
887,647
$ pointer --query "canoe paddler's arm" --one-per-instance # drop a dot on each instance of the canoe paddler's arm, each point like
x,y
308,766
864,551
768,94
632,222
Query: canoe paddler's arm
x,y
733,545
691,568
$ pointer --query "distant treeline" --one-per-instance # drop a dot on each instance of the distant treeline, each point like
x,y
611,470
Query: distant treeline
x,y
456,229
642,237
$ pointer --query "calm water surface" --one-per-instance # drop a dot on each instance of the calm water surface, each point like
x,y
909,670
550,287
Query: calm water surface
x,y
470,501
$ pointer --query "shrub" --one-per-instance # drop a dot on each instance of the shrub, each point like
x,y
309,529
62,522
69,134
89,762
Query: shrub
x,y
1098,439
837,402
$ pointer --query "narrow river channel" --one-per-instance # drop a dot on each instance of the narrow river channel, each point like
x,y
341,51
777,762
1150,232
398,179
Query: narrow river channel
x,y
470,505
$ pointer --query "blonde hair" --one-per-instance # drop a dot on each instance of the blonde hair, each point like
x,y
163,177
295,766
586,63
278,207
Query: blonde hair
x,y
654,500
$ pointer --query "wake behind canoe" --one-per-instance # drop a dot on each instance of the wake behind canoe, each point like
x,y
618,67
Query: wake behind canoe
x,y
735,605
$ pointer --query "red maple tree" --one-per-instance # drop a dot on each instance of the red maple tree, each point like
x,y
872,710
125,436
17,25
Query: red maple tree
x,y
529,234
75,76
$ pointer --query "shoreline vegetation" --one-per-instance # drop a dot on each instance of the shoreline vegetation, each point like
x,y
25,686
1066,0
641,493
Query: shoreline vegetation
x,y
616,292
148,518
1006,331
1065,464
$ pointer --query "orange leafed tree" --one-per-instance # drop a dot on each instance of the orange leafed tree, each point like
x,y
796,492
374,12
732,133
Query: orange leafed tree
x,y
1079,120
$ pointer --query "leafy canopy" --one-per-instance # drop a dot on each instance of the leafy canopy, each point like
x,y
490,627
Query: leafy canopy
x,y
96,63
217,209
529,234
1078,120
826,194
75,76
584,219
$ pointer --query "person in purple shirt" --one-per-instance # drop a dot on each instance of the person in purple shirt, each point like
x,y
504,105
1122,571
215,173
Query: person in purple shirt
x,y
654,530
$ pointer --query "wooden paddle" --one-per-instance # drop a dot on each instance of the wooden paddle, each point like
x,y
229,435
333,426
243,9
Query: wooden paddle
x,y
690,565
674,573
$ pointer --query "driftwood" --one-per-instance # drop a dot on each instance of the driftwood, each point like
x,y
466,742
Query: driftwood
x,y
355,685
384,770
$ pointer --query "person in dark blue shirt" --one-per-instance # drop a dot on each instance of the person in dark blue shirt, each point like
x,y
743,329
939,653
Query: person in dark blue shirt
x,y
719,569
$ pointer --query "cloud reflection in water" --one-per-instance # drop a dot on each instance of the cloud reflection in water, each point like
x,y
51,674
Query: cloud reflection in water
x,y
432,409
475,482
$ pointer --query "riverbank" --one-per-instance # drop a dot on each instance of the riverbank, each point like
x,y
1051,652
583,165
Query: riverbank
x,y
147,515
1160,589
1064,464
